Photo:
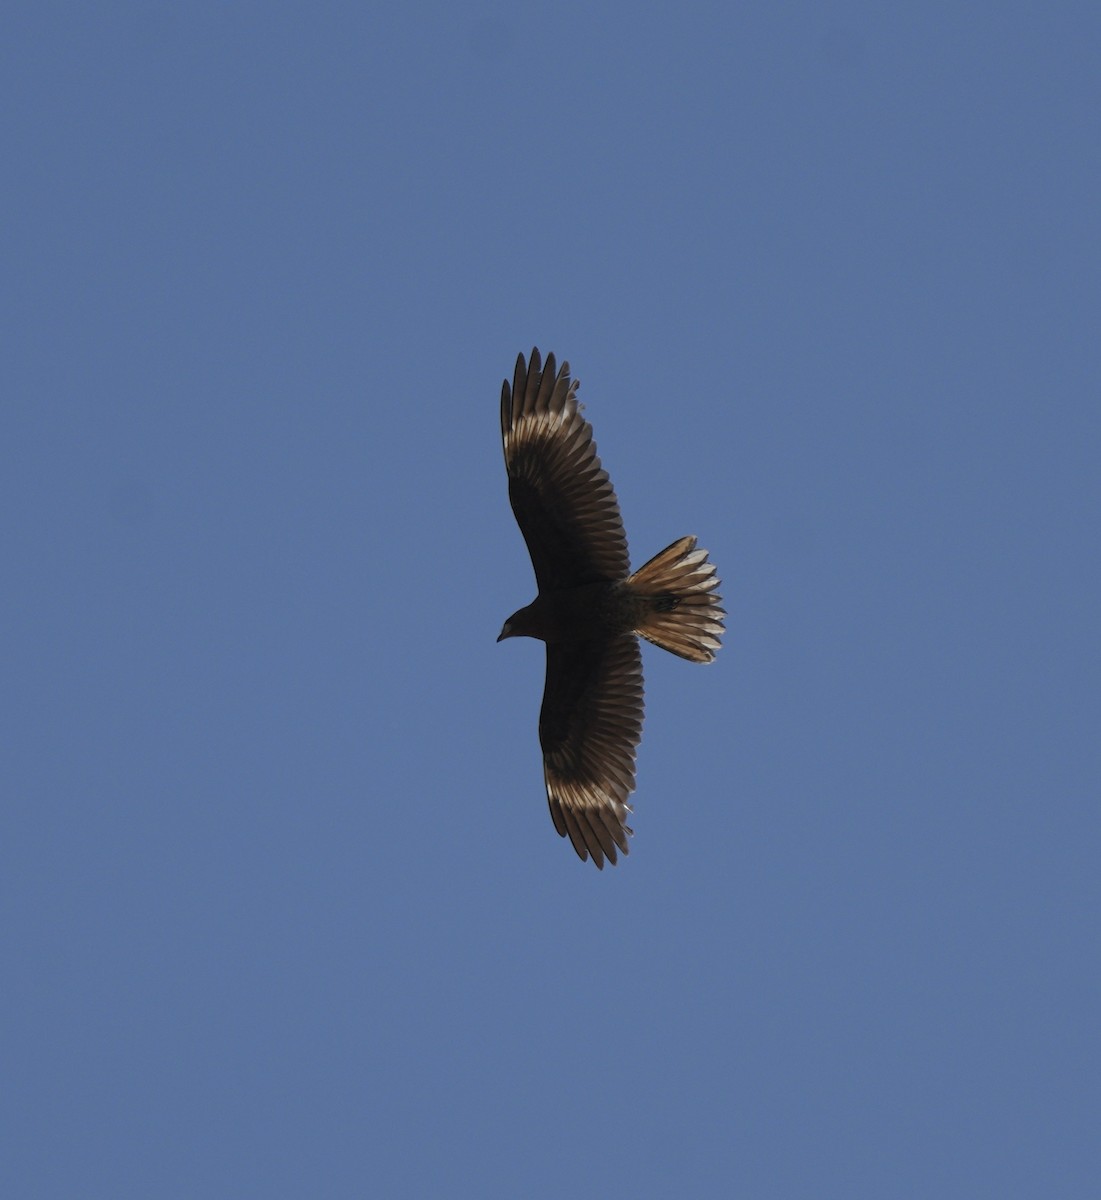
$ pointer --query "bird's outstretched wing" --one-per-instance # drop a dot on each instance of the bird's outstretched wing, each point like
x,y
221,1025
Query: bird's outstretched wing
x,y
589,727
561,495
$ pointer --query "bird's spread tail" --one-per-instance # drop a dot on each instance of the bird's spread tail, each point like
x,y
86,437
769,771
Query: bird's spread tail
x,y
682,612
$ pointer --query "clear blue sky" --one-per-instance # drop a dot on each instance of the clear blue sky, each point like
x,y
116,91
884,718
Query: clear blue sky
x,y
283,910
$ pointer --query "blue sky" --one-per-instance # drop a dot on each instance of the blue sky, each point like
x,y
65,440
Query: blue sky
x,y
284,913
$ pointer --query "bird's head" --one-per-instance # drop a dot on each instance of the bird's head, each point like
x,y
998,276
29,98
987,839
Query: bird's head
x,y
523,623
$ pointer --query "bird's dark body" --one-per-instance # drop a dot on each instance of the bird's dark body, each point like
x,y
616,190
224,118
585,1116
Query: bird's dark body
x,y
593,611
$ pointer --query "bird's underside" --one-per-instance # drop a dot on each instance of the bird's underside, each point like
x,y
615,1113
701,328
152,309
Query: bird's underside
x,y
590,609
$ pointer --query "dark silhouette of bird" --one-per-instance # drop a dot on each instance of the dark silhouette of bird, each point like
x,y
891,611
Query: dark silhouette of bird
x,y
590,609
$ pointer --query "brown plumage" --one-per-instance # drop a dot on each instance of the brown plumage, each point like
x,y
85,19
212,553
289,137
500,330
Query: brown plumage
x,y
590,607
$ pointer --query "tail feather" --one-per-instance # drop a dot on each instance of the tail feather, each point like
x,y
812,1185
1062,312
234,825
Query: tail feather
x,y
681,610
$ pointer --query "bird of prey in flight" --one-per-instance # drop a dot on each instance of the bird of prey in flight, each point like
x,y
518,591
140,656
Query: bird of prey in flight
x,y
591,609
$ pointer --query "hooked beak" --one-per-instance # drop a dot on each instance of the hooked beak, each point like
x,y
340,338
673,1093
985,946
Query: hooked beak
x,y
505,632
